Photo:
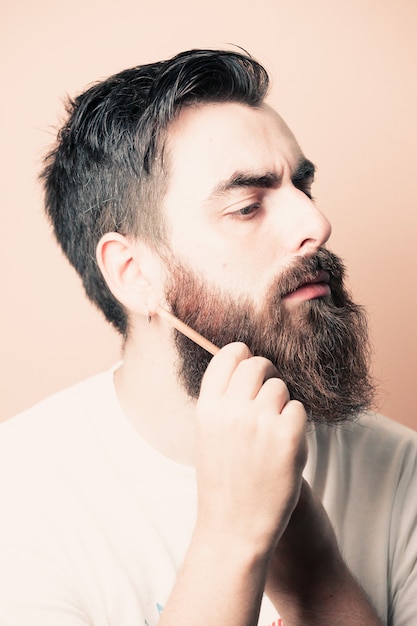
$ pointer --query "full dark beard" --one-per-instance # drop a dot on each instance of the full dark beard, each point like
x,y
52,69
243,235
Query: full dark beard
x,y
320,347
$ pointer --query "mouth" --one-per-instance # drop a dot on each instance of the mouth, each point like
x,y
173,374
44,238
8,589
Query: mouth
x,y
316,286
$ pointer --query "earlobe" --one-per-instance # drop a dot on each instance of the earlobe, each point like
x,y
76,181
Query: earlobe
x,y
127,269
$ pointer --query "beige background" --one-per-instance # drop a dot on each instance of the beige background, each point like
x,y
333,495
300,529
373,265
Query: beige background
x,y
344,78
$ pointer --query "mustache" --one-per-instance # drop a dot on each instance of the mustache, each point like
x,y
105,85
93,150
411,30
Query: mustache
x,y
307,268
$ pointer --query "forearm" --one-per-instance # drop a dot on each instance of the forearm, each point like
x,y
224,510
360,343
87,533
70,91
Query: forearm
x,y
335,599
220,582
308,580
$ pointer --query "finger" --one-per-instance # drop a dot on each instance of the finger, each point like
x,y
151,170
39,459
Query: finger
x,y
293,427
221,368
273,394
250,375
295,414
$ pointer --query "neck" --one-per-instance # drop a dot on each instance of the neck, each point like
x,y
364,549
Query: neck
x,y
150,395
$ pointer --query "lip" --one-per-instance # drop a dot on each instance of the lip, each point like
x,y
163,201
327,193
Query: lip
x,y
315,287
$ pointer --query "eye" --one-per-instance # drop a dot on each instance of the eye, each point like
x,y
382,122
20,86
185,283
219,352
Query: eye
x,y
247,212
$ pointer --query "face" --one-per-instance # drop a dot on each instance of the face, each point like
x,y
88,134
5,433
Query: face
x,y
238,205
248,261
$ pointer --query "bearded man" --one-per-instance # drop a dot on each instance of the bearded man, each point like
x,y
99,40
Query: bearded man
x,y
252,487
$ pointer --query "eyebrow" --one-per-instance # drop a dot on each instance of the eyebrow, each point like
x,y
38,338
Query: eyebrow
x,y
305,169
267,180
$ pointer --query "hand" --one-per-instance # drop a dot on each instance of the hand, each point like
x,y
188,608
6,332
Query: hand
x,y
251,449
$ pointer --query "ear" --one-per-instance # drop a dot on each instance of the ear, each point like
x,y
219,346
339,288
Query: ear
x,y
132,272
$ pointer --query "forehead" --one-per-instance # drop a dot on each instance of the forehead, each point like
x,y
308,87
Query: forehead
x,y
208,143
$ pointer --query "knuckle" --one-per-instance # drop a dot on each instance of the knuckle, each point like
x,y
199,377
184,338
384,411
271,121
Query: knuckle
x,y
262,366
297,409
255,364
278,386
235,353
259,362
237,349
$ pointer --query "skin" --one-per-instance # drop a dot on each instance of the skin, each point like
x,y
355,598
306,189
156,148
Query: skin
x,y
244,413
235,247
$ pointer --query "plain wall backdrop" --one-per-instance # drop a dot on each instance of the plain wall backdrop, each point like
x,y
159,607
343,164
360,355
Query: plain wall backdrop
x,y
344,78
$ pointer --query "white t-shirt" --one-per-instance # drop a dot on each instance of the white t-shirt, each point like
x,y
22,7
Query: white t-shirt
x,y
94,523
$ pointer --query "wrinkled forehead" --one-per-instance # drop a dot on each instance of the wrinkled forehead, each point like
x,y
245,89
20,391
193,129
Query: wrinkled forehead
x,y
208,143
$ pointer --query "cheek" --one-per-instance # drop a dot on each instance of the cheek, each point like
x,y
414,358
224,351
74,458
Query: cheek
x,y
244,266
250,275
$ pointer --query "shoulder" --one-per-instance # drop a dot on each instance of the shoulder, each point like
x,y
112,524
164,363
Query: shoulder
x,y
73,403
58,429
57,449
372,449
369,432
379,434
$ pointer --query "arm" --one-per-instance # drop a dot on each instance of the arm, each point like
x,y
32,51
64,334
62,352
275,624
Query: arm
x,y
248,434
308,581
255,532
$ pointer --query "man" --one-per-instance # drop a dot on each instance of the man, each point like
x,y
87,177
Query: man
x,y
182,488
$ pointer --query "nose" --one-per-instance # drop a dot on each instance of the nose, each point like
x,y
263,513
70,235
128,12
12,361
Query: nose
x,y
305,228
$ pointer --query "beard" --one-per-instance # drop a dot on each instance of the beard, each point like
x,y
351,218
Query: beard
x,y
320,347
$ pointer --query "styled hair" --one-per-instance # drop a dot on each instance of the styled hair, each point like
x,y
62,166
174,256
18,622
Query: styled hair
x,y
106,171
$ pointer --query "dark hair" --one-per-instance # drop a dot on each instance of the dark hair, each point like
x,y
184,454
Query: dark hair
x,y
106,171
